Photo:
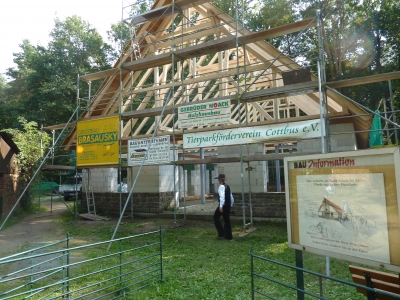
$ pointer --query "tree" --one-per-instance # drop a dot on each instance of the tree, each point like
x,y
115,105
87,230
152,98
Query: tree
x,y
45,79
115,36
28,141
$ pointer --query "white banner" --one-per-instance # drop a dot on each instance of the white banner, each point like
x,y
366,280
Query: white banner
x,y
251,135
213,113
159,151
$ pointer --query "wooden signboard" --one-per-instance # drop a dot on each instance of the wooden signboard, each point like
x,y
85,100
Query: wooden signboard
x,y
346,205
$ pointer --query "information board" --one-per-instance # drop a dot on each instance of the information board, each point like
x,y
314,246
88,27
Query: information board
x,y
159,152
345,205
97,142
206,114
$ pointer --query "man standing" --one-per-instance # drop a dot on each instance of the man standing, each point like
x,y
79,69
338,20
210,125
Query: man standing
x,y
225,200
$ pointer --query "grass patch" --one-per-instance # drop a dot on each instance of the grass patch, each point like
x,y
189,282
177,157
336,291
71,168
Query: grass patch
x,y
198,266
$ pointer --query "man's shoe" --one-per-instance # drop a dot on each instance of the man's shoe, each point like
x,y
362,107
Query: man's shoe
x,y
229,239
220,237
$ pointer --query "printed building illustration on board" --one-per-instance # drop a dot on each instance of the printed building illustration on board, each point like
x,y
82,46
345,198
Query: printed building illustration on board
x,y
330,210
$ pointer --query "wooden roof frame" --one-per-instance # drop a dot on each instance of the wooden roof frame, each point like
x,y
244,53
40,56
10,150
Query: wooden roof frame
x,y
265,102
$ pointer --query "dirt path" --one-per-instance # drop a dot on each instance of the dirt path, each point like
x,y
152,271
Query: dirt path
x,y
34,230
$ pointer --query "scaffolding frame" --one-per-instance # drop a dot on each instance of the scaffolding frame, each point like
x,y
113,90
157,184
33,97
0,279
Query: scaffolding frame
x,y
195,80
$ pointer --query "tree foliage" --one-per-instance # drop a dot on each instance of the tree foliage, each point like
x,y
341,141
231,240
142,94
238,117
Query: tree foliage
x,y
45,79
28,139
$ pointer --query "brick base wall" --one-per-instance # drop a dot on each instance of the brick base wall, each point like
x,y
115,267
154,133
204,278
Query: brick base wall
x,y
270,205
109,203
9,192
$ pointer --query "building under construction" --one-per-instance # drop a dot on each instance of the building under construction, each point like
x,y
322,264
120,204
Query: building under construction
x,y
190,52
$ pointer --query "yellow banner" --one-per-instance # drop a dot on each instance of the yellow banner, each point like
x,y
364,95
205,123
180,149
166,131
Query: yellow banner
x,y
98,142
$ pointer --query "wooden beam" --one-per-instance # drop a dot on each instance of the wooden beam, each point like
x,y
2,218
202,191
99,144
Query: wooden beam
x,y
211,47
277,31
259,95
364,80
197,79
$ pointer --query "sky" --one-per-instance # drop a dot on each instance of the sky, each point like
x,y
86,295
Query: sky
x,y
34,19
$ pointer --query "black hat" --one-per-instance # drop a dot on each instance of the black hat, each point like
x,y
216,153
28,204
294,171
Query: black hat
x,y
220,176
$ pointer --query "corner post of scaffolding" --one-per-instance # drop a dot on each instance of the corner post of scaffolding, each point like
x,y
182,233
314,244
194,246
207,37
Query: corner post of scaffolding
x,y
239,109
176,203
121,87
325,145
322,86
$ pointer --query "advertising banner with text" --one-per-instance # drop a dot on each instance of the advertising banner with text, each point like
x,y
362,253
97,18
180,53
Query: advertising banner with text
x,y
345,205
159,151
212,113
98,142
251,135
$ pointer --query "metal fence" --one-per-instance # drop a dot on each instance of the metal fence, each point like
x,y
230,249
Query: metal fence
x,y
58,271
272,279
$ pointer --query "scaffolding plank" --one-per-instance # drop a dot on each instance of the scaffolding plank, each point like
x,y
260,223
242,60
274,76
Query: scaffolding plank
x,y
152,15
148,62
210,160
59,126
164,11
364,80
101,74
183,4
273,156
57,167
248,158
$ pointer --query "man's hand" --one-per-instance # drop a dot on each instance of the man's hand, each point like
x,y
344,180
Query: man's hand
x,y
221,210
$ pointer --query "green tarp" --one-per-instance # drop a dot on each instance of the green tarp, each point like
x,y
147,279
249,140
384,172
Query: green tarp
x,y
45,187
375,136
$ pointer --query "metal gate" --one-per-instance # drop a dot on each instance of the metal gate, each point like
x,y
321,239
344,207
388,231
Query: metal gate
x,y
57,271
272,279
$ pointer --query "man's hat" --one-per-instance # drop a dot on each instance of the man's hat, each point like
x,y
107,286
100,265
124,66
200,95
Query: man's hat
x,y
220,176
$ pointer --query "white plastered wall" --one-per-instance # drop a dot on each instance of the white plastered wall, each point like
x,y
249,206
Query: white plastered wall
x,y
232,171
101,180
342,138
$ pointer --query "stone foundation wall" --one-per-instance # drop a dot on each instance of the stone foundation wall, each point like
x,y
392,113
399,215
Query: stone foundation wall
x,y
8,192
269,205
109,203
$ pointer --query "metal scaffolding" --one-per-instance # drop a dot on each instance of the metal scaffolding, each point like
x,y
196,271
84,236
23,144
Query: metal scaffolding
x,y
182,52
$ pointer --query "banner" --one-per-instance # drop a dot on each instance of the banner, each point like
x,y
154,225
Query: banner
x,y
159,151
213,113
97,142
251,135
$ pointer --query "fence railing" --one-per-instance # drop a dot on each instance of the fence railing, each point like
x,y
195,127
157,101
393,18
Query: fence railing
x,y
58,271
272,279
